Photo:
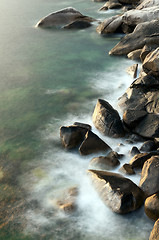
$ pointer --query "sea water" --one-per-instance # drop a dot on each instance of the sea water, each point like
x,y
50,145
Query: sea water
x,y
51,78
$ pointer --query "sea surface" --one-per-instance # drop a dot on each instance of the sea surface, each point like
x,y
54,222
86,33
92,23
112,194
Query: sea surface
x,y
50,78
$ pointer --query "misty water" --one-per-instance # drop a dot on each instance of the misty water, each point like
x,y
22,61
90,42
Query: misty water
x,y
51,78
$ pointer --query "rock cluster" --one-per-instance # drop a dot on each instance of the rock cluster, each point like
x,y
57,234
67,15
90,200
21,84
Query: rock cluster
x,y
140,106
140,103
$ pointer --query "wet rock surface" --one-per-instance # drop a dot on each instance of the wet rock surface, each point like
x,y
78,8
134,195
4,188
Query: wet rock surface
x,y
92,144
107,120
117,192
152,206
150,176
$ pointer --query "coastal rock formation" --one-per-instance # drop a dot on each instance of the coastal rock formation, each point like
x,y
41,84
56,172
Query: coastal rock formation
x,y
144,33
152,206
72,136
107,120
155,231
135,55
146,4
105,163
151,62
150,176
120,194
79,24
92,144
110,25
64,17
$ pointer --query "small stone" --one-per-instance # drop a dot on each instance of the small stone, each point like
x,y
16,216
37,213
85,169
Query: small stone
x,y
127,169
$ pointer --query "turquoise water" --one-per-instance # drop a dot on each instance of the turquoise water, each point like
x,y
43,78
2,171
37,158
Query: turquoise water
x,y
51,78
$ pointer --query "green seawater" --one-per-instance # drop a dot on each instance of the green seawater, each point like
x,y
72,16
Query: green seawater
x,y
50,78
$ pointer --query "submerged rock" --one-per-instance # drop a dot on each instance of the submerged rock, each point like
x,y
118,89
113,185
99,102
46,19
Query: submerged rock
x,y
63,17
132,70
149,181
155,231
152,206
107,120
105,162
92,144
67,202
118,193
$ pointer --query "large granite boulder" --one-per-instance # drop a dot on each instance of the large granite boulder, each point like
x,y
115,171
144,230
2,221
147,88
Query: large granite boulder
x,y
63,17
120,194
92,144
152,206
72,136
151,62
149,181
105,162
107,120
155,231
144,33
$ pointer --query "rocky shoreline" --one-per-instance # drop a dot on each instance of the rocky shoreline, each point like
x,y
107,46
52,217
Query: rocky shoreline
x,y
140,105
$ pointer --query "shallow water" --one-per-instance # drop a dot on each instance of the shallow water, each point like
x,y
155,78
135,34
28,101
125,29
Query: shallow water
x,y
51,78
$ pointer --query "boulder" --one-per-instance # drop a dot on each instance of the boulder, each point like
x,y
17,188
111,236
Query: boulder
x,y
148,126
110,25
132,70
92,144
132,117
152,206
146,50
136,16
72,136
148,146
139,159
150,176
127,169
144,33
62,18
134,151
135,55
155,231
120,194
105,162
107,120
151,62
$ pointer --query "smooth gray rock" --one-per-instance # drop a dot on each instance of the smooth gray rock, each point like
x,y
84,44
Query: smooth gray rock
x,y
62,17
